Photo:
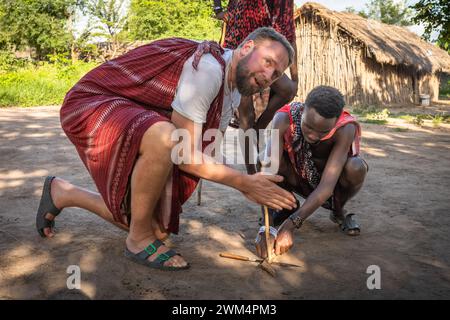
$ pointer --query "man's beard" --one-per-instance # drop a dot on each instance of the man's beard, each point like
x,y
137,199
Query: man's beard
x,y
243,77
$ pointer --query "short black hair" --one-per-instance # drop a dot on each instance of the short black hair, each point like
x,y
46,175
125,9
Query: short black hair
x,y
327,101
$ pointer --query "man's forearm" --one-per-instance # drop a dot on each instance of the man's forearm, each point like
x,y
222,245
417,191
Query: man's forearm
x,y
246,145
246,121
294,66
313,202
275,103
215,172
249,165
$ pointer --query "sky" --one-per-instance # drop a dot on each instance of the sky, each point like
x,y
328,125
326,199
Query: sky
x,y
340,5
337,5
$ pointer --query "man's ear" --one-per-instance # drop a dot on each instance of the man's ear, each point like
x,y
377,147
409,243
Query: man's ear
x,y
247,47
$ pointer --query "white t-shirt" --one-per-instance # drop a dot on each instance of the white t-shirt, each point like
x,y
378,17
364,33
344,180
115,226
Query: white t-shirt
x,y
197,89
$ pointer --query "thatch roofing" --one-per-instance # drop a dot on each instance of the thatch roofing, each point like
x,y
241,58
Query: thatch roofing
x,y
387,44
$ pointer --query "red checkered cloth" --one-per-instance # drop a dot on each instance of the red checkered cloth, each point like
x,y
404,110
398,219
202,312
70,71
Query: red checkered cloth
x,y
245,16
107,112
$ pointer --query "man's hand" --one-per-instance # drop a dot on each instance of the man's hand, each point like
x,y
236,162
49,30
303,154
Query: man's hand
x,y
260,244
220,15
260,101
262,189
285,238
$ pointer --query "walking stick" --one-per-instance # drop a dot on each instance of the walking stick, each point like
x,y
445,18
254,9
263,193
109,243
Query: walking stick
x,y
222,36
267,233
199,192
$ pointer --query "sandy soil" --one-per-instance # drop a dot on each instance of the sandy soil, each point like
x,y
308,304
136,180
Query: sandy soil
x,y
403,210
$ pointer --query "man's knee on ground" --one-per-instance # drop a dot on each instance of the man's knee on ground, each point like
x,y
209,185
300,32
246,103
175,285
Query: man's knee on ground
x,y
158,137
355,171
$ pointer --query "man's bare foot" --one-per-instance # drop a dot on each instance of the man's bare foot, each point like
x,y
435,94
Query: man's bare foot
x,y
337,216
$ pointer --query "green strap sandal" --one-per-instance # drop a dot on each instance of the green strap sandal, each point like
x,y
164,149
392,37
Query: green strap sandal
x,y
158,263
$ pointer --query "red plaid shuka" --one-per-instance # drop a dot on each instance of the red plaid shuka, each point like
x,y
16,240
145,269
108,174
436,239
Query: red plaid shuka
x,y
107,112
299,150
245,16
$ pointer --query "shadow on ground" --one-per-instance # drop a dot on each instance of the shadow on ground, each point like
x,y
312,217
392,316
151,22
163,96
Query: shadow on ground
x,y
403,209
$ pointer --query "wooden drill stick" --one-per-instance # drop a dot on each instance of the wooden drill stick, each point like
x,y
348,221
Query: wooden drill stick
x,y
267,234
265,264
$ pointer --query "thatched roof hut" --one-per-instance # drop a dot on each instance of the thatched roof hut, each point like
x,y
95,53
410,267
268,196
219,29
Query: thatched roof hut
x,y
370,62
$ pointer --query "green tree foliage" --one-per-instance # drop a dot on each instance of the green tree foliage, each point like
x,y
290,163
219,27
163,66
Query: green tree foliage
x,y
386,11
109,17
38,24
152,19
435,16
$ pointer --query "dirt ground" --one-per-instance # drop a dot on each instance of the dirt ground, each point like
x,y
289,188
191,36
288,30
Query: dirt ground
x,y
403,209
